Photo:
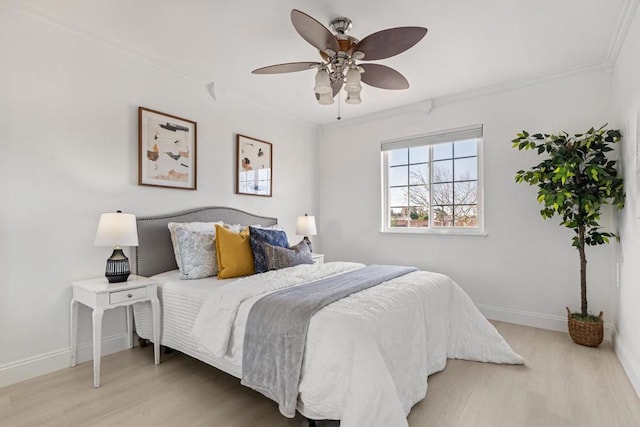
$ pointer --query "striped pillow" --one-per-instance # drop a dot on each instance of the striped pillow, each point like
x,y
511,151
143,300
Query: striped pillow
x,y
277,257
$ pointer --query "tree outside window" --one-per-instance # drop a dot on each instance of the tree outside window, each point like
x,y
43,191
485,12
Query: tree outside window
x,y
432,186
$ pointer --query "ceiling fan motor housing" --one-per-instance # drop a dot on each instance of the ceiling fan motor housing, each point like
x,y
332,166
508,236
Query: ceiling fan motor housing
x,y
341,25
346,46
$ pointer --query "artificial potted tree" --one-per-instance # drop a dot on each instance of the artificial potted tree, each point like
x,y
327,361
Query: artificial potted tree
x,y
574,181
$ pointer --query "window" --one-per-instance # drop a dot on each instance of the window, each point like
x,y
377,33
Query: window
x,y
433,183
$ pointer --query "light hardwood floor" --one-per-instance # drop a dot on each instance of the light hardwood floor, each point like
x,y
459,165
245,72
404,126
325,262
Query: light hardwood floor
x,y
562,384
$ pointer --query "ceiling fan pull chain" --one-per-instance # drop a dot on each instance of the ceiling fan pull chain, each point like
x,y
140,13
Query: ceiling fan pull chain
x,y
339,116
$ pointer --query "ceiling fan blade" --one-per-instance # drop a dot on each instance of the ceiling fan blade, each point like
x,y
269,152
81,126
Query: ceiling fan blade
x,y
314,32
289,67
336,86
388,43
383,77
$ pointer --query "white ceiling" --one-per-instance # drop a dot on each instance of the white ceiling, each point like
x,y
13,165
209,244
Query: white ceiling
x,y
471,44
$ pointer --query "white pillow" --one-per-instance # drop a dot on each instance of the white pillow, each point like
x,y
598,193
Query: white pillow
x,y
271,227
237,228
201,227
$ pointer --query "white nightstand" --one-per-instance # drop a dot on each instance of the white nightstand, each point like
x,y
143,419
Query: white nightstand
x,y
101,295
317,258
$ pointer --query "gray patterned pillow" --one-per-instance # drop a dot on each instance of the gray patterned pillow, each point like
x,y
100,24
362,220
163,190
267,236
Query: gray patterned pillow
x,y
198,254
203,227
278,257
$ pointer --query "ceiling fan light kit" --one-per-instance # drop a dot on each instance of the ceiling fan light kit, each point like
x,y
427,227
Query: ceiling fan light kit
x,y
352,80
340,52
323,82
326,99
353,98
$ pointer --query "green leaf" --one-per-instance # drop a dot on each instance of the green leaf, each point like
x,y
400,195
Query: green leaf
x,y
575,179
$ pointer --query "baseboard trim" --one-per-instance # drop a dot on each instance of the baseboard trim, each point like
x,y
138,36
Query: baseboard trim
x,y
529,318
629,364
31,367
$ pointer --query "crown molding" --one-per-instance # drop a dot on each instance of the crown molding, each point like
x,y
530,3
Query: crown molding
x,y
601,67
629,9
424,107
107,43
628,12
606,66
28,10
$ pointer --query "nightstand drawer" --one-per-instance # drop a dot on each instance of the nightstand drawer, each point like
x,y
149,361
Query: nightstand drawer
x,y
128,295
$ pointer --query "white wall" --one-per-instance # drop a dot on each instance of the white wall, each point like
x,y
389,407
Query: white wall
x,y
626,101
524,270
68,121
68,138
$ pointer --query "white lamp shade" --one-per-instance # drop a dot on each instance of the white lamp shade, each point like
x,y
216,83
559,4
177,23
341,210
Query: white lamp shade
x,y
117,229
306,226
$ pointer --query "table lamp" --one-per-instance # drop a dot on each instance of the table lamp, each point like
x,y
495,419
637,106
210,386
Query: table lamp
x,y
117,229
306,226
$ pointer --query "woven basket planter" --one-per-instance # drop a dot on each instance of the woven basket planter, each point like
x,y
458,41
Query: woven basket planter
x,y
586,333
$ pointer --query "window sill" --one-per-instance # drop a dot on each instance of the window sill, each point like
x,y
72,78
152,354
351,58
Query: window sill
x,y
431,232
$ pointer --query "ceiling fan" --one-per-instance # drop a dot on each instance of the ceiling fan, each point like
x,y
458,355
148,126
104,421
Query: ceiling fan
x,y
340,52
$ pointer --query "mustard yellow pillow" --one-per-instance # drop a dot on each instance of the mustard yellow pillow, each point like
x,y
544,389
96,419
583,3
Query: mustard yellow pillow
x,y
233,251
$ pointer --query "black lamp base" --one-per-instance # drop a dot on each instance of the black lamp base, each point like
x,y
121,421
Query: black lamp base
x,y
117,267
308,242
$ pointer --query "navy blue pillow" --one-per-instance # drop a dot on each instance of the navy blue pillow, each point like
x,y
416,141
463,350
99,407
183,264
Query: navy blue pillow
x,y
258,236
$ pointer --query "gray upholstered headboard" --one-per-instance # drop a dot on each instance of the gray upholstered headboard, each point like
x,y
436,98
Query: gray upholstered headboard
x,y
154,253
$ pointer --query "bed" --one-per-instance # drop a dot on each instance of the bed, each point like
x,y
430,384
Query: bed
x,y
366,357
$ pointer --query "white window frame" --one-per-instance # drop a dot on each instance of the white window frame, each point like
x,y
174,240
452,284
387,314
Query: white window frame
x,y
451,135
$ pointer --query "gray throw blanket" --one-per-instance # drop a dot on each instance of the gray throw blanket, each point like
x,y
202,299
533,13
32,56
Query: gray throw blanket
x,y
276,330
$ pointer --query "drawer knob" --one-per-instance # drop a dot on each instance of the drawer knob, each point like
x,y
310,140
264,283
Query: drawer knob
x,y
129,295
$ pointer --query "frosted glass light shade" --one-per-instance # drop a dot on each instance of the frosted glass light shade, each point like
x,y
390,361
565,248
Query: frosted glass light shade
x,y
326,99
353,97
323,82
306,226
117,229
352,80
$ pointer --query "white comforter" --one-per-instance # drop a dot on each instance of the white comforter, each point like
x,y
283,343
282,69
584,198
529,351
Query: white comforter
x,y
367,356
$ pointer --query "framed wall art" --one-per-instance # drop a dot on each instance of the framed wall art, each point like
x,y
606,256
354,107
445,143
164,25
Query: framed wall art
x,y
254,166
166,150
